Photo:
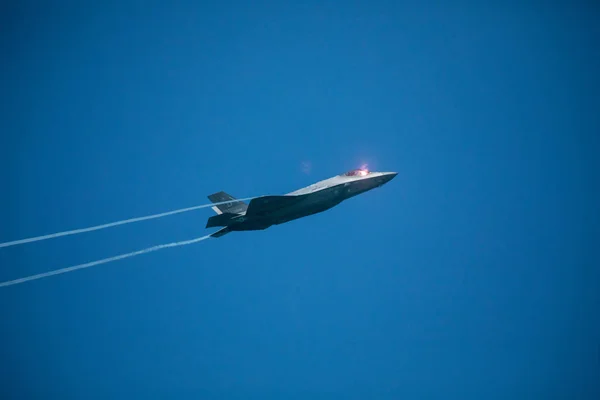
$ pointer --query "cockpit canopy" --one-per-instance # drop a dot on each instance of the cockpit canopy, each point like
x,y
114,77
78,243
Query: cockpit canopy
x,y
356,172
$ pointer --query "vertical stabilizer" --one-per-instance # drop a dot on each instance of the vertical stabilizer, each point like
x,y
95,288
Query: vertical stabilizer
x,y
235,207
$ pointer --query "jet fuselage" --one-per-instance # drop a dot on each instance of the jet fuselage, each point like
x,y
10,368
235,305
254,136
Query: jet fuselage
x,y
265,211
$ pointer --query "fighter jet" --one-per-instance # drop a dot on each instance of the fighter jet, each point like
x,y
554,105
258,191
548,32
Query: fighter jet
x,y
265,211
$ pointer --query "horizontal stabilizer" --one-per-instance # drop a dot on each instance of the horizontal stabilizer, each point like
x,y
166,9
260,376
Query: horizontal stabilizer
x,y
220,220
220,232
268,204
236,207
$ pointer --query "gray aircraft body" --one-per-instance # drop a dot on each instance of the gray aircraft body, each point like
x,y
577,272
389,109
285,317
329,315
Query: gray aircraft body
x,y
265,211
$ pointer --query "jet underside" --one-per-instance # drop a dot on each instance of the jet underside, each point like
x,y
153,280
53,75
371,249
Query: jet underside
x,y
275,210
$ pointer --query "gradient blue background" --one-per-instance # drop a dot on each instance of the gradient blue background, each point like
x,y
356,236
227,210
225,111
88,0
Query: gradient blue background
x,y
473,275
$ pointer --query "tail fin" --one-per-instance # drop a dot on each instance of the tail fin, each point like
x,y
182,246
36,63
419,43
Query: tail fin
x,y
236,207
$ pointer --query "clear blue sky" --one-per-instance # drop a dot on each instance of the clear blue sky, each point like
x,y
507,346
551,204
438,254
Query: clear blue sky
x,y
473,275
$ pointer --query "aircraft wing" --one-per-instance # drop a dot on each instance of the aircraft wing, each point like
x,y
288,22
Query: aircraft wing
x,y
267,204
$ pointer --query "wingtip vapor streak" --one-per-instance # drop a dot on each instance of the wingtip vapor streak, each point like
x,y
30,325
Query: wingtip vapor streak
x,y
265,211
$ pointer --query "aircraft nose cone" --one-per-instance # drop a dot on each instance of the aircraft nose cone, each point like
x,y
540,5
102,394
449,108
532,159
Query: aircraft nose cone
x,y
384,178
389,176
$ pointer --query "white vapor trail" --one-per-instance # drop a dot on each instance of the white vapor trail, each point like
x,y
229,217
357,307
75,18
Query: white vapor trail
x,y
123,222
103,261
